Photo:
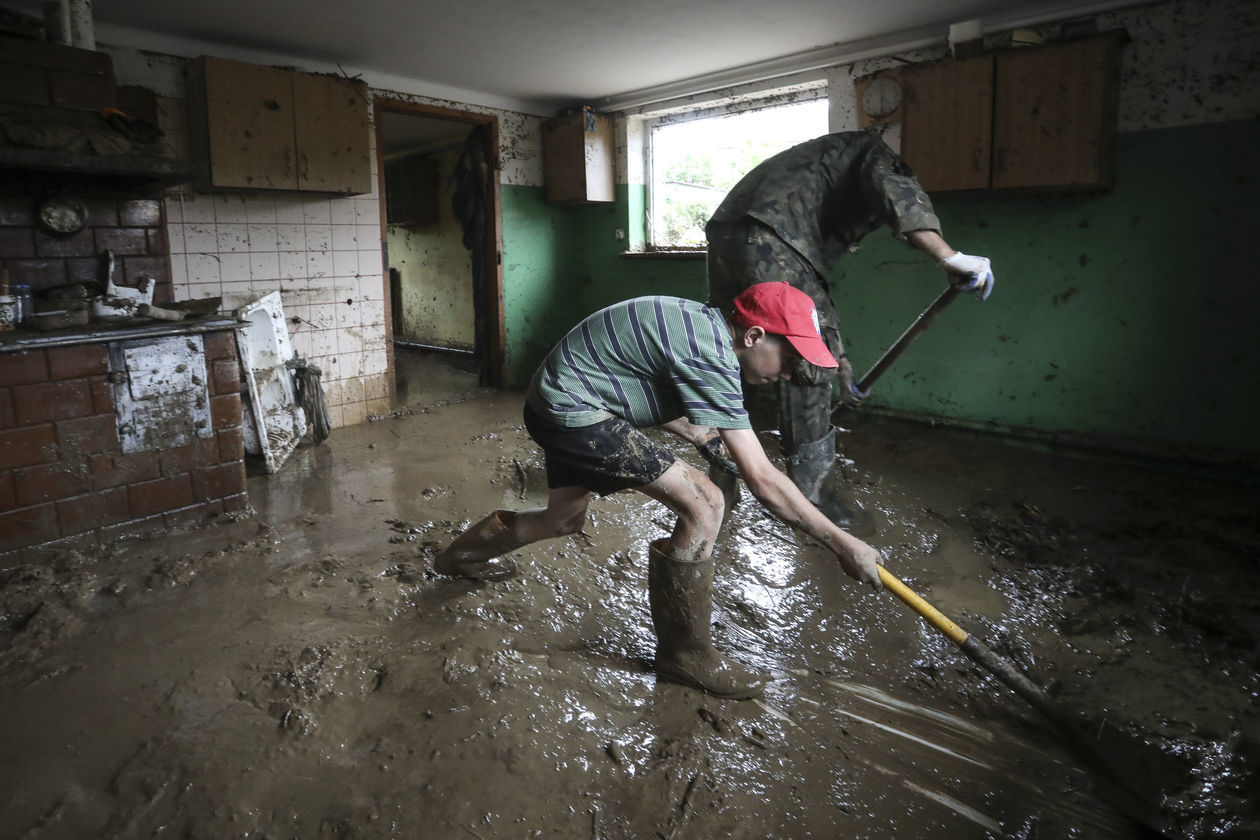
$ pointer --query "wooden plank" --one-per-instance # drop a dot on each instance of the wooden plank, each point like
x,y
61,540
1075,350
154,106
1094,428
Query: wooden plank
x,y
947,123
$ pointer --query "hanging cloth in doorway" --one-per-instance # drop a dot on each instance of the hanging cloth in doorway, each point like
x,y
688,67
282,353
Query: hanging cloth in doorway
x,y
470,199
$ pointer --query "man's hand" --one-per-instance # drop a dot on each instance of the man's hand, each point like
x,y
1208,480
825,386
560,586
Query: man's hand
x,y
859,562
971,274
849,393
715,453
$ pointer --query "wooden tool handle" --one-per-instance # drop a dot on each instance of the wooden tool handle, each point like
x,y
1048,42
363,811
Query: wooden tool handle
x,y
925,319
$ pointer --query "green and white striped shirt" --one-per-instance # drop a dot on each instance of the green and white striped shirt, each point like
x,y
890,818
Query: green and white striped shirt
x,y
648,360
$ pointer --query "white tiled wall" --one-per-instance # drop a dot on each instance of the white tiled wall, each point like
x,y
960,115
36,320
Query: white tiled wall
x,y
322,254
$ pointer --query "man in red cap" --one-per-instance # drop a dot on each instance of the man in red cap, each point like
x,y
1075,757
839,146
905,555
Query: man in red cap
x,y
679,365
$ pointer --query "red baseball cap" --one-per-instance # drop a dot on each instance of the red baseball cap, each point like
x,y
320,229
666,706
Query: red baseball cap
x,y
784,310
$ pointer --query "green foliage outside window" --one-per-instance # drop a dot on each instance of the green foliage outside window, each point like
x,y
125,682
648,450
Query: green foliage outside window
x,y
697,163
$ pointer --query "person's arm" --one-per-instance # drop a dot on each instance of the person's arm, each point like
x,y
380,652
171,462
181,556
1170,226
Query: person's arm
x,y
973,274
706,441
690,432
931,243
782,498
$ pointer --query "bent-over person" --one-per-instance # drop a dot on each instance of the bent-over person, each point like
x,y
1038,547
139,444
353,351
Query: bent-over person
x,y
677,364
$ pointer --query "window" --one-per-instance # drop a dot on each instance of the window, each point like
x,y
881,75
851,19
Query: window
x,y
694,162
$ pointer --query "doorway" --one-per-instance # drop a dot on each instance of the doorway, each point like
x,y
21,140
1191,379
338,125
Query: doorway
x,y
438,171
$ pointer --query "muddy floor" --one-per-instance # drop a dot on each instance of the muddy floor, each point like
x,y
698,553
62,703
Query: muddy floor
x,y
297,672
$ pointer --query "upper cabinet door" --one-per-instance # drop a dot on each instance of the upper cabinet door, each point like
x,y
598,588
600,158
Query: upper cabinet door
x,y
249,125
947,123
331,129
1023,119
578,160
1055,114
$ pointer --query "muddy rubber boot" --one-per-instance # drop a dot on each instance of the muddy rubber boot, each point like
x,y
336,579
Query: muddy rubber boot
x,y
476,553
812,470
729,485
681,596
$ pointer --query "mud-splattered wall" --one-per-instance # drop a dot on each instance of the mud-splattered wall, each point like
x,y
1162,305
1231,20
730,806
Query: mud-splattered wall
x,y
436,290
1118,319
322,254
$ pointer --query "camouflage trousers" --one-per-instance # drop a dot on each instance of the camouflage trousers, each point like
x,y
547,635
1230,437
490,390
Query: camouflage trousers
x,y
748,252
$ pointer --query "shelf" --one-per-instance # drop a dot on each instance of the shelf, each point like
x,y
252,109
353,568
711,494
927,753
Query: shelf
x,y
125,172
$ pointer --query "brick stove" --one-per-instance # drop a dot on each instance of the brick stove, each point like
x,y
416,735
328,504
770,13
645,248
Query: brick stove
x,y
66,469
99,436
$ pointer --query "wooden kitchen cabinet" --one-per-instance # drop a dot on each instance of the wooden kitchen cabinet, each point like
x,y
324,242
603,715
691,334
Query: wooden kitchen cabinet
x,y
947,123
1035,118
1055,114
269,128
578,164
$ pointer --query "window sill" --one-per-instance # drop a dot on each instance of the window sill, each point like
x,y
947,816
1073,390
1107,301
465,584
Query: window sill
x,y
679,254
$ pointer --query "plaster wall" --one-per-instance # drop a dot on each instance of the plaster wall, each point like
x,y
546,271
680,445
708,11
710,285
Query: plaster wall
x,y
1115,317
436,269
1117,320
324,255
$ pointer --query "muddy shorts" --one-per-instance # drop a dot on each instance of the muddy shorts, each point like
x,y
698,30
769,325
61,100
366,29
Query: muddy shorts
x,y
604,457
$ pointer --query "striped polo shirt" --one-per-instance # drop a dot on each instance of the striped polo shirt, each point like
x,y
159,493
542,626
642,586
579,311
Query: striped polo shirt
x,y
648,360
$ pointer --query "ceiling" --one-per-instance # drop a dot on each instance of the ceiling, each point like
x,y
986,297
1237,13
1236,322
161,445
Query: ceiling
x,y
538,56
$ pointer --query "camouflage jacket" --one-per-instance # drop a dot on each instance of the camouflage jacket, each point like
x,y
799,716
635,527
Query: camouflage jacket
x,y
825,194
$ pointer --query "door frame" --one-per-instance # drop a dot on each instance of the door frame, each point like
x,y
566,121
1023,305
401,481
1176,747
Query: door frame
x,y
490,313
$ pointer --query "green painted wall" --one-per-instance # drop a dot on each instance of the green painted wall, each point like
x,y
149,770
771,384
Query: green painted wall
x,y
1119,319
562,263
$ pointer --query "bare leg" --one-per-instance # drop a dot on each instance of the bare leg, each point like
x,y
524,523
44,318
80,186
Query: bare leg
x,y
699,505
564,514
478,553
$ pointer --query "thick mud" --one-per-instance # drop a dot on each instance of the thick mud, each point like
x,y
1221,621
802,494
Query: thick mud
x,y
298,672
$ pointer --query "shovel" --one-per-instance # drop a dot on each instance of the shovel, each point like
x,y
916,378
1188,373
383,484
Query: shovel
x,y
921,323
1114,767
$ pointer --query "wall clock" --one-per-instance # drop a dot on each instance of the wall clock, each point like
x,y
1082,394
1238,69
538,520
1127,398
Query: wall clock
x,y
878,98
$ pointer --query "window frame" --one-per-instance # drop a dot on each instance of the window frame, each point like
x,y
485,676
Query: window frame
x,y
766,100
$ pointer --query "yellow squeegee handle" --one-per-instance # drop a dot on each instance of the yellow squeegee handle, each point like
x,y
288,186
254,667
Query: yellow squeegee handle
x,y
930,613
1112,780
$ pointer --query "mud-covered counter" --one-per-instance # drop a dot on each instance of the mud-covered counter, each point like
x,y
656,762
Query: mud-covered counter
x,y
111,428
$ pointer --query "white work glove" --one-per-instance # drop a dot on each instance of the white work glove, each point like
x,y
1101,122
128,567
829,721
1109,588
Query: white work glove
x,y
971,274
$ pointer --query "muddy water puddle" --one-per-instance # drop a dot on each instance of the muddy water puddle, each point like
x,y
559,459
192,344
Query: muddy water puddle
x,y
298,673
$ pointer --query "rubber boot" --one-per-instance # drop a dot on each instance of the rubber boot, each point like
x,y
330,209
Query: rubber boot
x,y
729,485
812,470
476,553
681,596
